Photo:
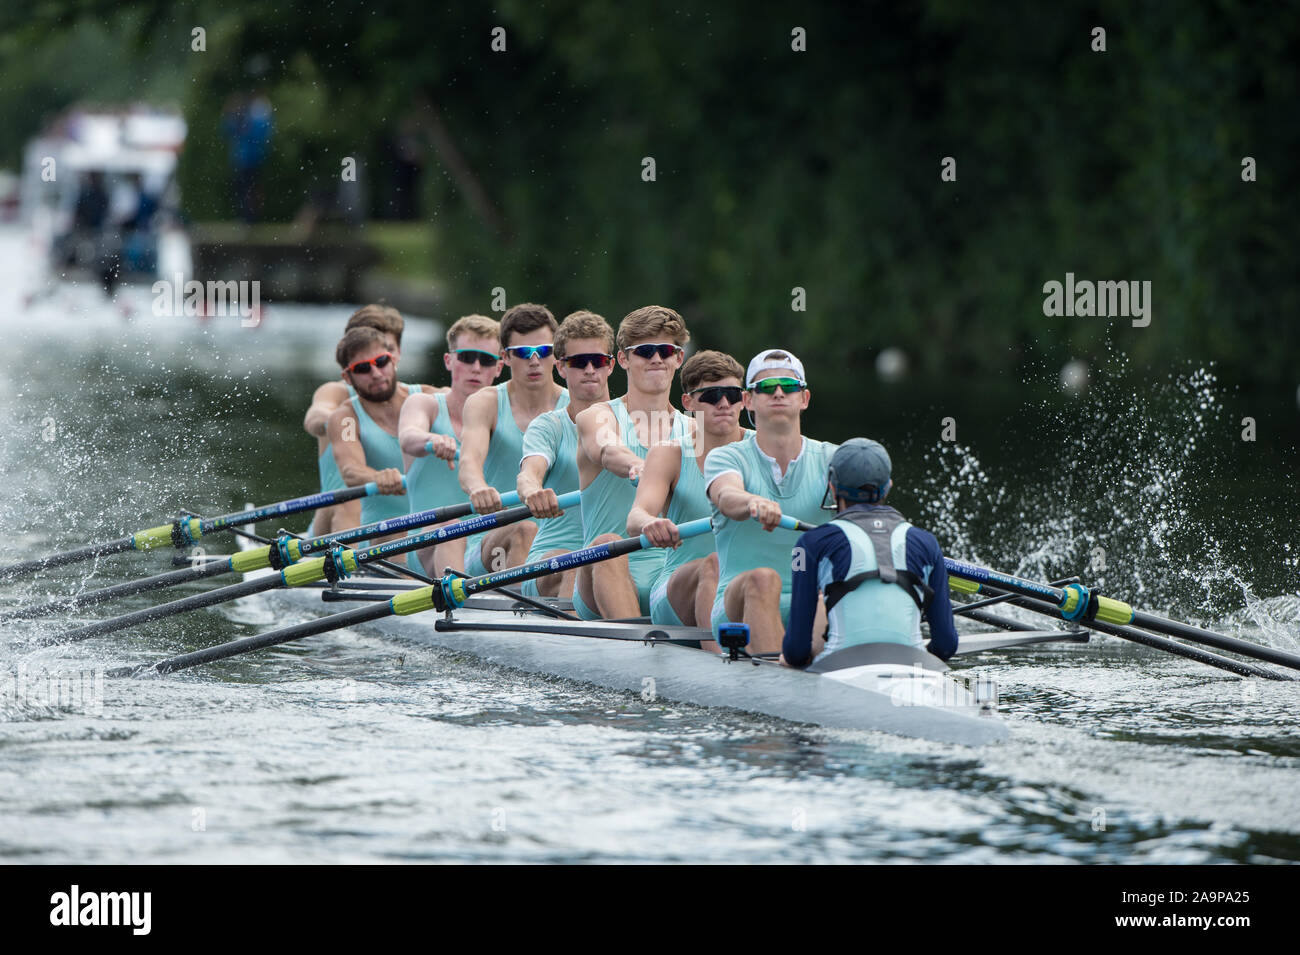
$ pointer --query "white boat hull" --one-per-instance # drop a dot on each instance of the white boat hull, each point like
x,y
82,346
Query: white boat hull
x,y
903,699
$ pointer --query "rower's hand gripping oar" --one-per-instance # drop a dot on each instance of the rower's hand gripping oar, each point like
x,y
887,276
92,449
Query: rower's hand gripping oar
x,y
338,564
1077,604
448,593
452,592
186,532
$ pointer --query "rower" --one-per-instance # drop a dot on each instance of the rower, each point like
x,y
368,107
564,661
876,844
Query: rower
x,y
492,437
880,575
429,431
388,321
614,438
363,431
584,351
751,484
672,484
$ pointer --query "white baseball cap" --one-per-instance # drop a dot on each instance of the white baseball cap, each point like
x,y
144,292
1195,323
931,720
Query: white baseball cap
x,y
771,359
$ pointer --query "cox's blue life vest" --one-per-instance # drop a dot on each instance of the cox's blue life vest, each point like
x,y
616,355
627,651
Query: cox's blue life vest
x,y
880,601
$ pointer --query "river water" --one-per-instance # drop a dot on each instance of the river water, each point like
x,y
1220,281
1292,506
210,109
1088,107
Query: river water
x,y
353,748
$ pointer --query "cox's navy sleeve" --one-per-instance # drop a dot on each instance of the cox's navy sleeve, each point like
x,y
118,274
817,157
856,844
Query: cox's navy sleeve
x,y
925,560
825,544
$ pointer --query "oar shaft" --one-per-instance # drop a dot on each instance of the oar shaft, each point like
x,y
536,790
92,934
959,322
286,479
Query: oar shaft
x,y
297,505
187,530
130,588
456,590
393,525
299,574
89,552
197,601
1219,641
263,640
1239,667
1114,612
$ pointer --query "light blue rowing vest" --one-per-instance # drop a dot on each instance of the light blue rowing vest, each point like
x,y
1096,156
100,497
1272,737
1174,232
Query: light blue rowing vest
x,y
689,501
429,482
327,467
554,437
880,600
382,451
607,500
501,465
744,545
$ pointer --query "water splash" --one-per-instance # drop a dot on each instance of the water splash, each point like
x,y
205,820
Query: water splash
x,y
1138,505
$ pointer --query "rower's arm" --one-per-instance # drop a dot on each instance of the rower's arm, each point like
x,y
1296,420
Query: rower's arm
x,y
598,436
728,492
532,473
414,424
478,418
812,547
345,444
323,403
925,560
662,468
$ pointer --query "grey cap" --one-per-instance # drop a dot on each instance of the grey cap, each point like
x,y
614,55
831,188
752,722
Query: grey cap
x,y
860,470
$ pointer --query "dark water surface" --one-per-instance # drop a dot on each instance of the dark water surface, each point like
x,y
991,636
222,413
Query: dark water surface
x,y
350,747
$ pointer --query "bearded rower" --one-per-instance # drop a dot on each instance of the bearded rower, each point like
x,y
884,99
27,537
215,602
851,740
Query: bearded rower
x,y
614,438
751,484
672,484
493,435
879,574
363,431
584,350
429,431
388,321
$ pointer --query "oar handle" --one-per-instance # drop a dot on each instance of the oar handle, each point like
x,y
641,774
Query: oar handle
x,y
428,447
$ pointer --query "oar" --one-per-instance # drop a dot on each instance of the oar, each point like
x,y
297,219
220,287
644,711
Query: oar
x,y
976,612
185,532
275,555
338,564
447,593
1077,604
1239,667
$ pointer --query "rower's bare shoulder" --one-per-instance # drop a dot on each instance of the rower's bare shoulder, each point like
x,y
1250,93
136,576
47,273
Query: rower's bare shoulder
x,y
665,458
424,400
593,418
331,393
342,413
481,405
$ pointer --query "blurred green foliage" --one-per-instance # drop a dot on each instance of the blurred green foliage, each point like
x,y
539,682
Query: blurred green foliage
x,y
775,168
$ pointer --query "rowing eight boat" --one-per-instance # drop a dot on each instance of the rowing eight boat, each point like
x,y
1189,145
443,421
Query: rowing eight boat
x,y
886,687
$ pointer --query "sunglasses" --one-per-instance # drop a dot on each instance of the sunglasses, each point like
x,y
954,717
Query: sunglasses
x,y
788,386
527,352
468,356
649,350
364,367
715,393
588,360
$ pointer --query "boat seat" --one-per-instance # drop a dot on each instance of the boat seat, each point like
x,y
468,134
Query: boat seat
x,y
867,654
